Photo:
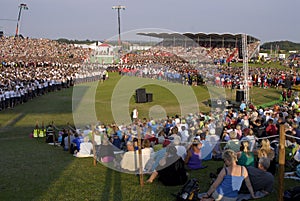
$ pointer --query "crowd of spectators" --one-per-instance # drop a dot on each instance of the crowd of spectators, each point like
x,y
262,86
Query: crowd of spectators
x,y
41,62
30,52
21,84
244,131
251,134
33,67
191,53
190,65
253,137
217,75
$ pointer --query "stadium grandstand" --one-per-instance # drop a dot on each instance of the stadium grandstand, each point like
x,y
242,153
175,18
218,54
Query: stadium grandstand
x,y
219,47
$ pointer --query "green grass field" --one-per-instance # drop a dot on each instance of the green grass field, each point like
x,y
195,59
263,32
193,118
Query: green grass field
x,y
30,169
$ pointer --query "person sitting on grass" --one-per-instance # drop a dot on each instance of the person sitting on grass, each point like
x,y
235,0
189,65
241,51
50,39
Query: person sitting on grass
x,y
86,148
130,159
267,151
67,143
75,146
132,155
181,150
229,180
206,149
245,157
158,153
147,150
105,151
193,158
171,170
233,143
261,180
248,136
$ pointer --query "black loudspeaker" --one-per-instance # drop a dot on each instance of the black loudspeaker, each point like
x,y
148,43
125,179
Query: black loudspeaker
x,y
239,95
140,95
149,97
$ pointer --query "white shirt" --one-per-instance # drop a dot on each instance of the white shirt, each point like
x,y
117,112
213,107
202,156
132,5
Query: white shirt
x,y
135,114
184,136
85,148
181,151
12,93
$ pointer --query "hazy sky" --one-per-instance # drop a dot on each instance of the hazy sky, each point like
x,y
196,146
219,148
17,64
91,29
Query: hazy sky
x,y
267,20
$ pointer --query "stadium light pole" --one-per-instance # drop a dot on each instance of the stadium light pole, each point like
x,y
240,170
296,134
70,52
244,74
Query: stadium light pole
x,y
118,8
22,6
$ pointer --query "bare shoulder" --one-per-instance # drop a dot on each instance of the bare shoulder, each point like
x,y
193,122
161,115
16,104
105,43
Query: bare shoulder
x,y
244,171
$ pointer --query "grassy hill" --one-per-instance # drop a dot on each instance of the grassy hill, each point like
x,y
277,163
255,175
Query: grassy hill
x,y
282,45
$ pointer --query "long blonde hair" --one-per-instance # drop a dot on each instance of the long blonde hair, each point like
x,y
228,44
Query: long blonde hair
x,y
266,150
245,147
265,144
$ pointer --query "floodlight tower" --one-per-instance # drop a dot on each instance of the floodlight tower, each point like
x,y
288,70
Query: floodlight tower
x,y
245,68
22,6
118,8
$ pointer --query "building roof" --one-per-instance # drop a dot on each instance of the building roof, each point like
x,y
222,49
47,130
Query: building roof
x,y
202,37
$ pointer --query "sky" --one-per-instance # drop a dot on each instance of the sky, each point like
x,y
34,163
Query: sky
x,y
267,20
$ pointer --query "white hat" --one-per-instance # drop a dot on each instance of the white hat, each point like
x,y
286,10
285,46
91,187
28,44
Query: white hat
x,y
212,131
176,140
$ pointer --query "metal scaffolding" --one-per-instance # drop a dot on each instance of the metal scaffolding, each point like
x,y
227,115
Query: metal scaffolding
x,y
245,68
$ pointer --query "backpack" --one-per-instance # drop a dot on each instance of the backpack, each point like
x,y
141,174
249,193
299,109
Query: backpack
x,y
189,191
292,194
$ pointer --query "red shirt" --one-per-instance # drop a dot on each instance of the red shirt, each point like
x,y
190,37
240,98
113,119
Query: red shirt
x,y
271,130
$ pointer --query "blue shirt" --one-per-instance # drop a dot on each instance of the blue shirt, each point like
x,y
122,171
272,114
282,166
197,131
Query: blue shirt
x,y
230,185
77,141
195,161
242,106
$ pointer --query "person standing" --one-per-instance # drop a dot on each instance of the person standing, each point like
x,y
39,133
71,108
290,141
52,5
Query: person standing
x,y
135,114
284,95
289,93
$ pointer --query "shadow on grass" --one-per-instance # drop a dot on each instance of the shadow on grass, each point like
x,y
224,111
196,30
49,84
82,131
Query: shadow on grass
x,y
117,187
28,167
51,103
78,94
112,188
13,121
108,185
